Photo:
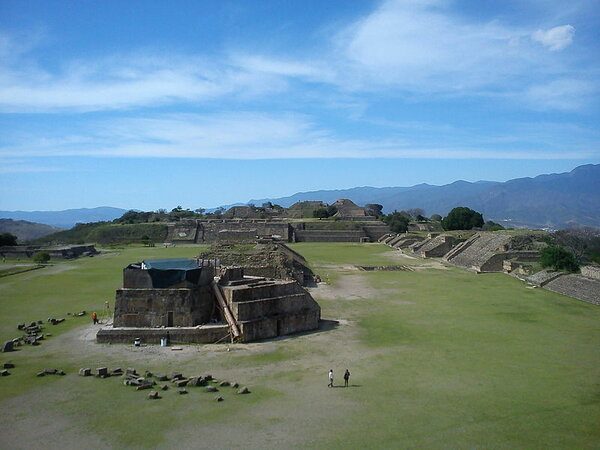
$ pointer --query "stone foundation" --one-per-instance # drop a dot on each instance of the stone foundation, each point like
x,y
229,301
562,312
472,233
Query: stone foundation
x,y
205,334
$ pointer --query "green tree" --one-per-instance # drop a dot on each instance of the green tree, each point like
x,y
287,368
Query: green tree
x,y
436,217
558,259
8,239
491,226
320,213
462,218
41,257
397,221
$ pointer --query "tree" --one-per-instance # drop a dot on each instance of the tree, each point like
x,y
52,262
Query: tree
x,y
491,226
436,217
374,209
7,239
267,205
41,257
320,213
397,221
415,212
199,211
559,259
462,218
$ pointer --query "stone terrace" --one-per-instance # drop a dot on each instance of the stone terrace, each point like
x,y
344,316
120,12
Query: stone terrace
x,y
580,287
475,251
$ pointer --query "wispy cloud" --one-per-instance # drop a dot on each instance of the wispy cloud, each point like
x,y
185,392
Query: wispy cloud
x,y
557,38
416,48
253,135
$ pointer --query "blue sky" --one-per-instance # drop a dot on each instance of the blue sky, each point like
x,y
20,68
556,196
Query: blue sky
x,y
148,104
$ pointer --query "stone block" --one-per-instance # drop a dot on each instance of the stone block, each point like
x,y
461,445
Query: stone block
x,y
211,389
8,346
4,373
85,372
102,372
9,365
153,395
244,390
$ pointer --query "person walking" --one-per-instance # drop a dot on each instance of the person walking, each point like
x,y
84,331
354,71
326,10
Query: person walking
x,y
346,377
95,318
330,378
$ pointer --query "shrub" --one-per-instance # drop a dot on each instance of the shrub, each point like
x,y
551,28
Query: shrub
x,y
41,257
559,259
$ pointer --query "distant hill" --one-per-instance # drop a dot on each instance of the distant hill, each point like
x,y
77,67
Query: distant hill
x,y
546,201
26,231
67,218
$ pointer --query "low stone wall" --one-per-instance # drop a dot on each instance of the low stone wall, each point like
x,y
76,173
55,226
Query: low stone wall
x,y
591,272
256,291
206,334
329,236
271,327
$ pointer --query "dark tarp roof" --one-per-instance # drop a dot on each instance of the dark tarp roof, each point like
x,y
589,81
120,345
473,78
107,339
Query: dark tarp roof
x,y
170,271
171,264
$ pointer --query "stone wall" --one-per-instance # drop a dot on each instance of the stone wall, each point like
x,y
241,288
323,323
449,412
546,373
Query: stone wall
x,y
206,334
65,252
151,307
478,250
591,272
329,236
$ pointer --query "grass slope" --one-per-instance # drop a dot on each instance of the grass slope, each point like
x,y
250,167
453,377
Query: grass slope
x,y
439,358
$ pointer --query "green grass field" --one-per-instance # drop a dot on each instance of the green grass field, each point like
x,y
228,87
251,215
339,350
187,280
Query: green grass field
x,y
440,358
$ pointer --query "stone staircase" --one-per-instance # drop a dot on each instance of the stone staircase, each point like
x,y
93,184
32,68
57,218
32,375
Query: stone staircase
x,y
475,251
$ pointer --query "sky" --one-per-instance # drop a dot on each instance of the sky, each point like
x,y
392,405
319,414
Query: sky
x,y
150,104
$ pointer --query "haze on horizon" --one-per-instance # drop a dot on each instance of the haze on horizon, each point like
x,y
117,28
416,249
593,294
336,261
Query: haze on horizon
x,y
149,105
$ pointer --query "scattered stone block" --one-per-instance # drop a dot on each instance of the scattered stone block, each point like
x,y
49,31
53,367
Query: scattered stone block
x,y
148,374
8,346
211,389
41,374
133,382
61,372
164,387
208,377
235,385
131,371
219,399
39,322
102,372
9,365
21,326
85,372
181,383
48,334
196,381
244,390
224,383
153,395
116,372
182,391
162,377
177,376
143,386
4,373
50,371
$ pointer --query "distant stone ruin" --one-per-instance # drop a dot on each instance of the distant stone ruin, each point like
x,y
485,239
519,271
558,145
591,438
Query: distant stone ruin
x,y
55,252
183,299
351,223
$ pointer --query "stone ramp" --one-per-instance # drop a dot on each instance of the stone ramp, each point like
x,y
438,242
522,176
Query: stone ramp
x,y
475,251
577,286
437,246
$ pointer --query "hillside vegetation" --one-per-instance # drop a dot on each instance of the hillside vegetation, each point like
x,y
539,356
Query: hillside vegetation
x,y
107,233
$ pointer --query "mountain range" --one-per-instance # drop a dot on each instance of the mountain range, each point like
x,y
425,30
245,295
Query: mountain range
x,y
66,218
551,201
547,201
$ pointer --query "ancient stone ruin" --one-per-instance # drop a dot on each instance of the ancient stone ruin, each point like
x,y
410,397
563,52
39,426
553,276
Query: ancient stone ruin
x,y
351,223
196,301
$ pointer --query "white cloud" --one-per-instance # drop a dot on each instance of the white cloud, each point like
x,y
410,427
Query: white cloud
x,y
123,82
557,38
246,136
563,93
